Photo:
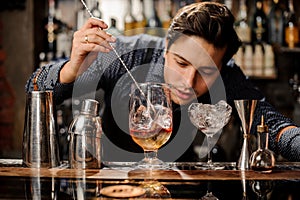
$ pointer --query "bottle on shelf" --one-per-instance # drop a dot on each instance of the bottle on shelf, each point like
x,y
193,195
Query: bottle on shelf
x,y
141,20
248,60
51,35
259,24
113,27
241,25
291,28
95,10
269,60
129,20
164,8
258,59
228,4
154,25
276,25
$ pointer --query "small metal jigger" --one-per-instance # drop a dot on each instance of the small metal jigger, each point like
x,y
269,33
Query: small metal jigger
x,y
245,110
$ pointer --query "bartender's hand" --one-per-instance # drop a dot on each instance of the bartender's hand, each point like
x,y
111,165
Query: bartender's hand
x,y
87,42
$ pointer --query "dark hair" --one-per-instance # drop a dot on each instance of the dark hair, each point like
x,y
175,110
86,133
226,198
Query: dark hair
x,y
209,20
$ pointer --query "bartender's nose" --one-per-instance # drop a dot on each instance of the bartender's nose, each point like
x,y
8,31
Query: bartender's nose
x,y
190,76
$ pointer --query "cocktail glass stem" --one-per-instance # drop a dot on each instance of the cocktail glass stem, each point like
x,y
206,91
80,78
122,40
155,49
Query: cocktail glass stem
x,y
209,155
150,155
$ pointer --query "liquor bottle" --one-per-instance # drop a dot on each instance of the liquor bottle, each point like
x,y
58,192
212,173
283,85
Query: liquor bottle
x,y
269,60
153,23
96,9
258,59
228,4
165,10
241,25
141,20
130,21
275,22
113,28
259,24
262,159
248,59
291,29
51,35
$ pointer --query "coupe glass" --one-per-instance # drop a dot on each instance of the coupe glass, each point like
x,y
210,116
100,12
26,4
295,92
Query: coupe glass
x,y
150,120
210,119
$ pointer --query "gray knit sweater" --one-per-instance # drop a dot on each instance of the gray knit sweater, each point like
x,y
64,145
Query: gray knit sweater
x,y
143,55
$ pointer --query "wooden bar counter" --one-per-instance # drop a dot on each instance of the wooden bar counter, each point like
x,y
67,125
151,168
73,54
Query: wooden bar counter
x,y
182,181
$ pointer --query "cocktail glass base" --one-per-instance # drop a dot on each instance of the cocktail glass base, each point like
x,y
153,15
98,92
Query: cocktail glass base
x,y
151,163
209,166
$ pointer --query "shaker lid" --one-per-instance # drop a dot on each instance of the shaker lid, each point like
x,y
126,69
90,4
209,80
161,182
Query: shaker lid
x,y
262,127
90,106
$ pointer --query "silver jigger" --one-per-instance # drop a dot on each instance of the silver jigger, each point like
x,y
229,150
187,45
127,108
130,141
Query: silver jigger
x,y
40,144
245,110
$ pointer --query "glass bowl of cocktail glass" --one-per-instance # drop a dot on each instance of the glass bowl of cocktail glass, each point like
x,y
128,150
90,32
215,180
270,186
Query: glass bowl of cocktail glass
x,y
150,120
210,119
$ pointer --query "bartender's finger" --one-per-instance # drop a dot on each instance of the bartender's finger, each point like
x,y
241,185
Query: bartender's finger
x,y
95,22
98,37
96,48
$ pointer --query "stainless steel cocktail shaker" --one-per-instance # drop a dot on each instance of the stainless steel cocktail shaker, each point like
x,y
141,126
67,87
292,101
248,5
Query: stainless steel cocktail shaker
x,y
40,144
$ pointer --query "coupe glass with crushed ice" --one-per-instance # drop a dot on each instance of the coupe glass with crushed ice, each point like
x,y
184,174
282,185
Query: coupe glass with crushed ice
x,y
209,119
150,120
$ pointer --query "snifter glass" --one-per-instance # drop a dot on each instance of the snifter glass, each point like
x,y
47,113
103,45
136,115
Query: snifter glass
x,y
150,120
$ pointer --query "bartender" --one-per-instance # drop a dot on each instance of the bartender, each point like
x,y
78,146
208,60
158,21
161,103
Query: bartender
x,y
195,58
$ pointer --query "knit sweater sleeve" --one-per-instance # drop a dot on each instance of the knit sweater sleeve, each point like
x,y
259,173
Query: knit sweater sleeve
x,y
288,145
48,79
102,73
238,86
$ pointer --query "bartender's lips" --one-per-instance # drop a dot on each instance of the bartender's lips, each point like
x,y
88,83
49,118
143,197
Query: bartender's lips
x,y
184,94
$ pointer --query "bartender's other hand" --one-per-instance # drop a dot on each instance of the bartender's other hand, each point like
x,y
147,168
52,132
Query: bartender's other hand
x,y
87,43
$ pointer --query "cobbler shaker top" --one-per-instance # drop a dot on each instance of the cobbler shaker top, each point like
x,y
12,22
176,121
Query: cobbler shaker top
x,y
90,106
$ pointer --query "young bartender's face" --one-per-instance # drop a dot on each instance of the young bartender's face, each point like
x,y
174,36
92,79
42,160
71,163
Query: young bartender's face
x,y
191,67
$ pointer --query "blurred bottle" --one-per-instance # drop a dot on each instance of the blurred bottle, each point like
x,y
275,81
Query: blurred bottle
x,y
51,35
129,21
248,59
275,22
164,8
86,131
228,4
241,25
269,60
113,28
154,25
259,25
291,27
95,9
141,20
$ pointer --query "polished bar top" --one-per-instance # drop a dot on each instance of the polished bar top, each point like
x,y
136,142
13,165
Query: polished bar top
x,y
182,181
178,171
